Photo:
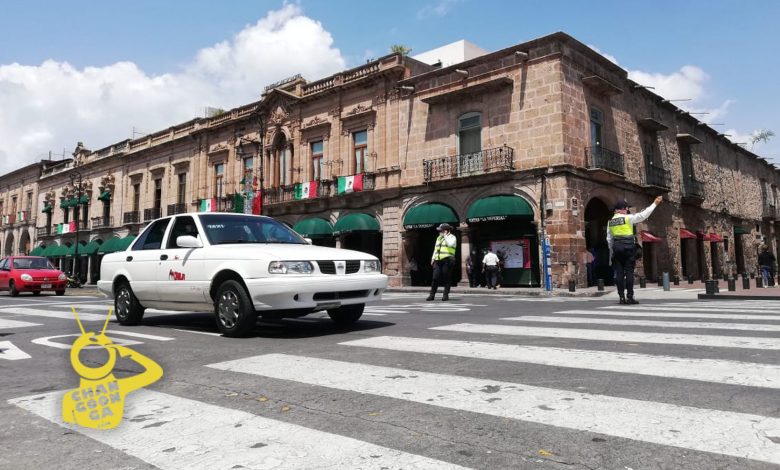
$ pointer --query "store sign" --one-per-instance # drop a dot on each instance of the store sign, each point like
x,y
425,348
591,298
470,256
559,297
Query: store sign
x,y
416,226
492,218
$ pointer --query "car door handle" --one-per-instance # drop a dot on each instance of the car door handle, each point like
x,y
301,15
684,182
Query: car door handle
x,y
163,257
129,258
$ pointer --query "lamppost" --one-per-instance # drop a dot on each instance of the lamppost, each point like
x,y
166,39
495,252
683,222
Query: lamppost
x,y
74,176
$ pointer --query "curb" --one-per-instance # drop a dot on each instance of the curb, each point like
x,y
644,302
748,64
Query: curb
x,y
507,291
737,297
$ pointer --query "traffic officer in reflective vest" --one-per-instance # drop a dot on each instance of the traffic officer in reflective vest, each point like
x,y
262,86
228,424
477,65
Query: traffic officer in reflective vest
x,y
443,260
622,246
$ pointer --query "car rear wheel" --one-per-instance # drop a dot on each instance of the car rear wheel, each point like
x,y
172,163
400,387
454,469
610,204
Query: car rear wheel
x,y
127,309
36,292
235,313
60,292
12,289
346,315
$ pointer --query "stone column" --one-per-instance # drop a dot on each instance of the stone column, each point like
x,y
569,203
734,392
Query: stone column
x,y
465,252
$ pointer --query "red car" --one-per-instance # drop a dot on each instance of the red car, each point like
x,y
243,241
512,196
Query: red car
x,y
30,274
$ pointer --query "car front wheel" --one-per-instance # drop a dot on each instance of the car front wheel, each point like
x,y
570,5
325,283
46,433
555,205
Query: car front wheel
x,y
127,309
235,313
12,289
346,315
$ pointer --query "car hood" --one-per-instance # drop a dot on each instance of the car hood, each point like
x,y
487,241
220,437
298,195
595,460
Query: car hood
x,y
39,272
284,252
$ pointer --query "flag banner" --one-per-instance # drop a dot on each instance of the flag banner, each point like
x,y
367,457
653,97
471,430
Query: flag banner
x,y
306,190
68,227
349,184
21,216
208,205
5,219
257,203
238,203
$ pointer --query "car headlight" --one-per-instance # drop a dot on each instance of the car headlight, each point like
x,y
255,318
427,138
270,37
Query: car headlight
x,y
290,267
372,266
62,277
26,277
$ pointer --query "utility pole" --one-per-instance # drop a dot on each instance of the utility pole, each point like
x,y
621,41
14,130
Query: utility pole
x,y
76,176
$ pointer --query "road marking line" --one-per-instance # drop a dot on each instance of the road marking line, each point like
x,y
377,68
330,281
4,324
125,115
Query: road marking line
x,y
663,314
698,309
36,312
382,311
8,324
11,352
722,432
706,370
653,323
140,335
47,341
156,425
613,336
211,333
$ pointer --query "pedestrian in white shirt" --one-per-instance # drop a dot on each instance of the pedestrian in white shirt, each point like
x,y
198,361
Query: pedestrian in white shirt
x,y
490,268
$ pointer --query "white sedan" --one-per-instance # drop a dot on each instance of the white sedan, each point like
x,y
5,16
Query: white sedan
x,y
241,266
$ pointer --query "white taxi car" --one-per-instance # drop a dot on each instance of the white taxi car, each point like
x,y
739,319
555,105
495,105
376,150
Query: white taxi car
x,y
241,266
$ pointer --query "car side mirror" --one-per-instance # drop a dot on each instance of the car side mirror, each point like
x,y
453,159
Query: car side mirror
x,y
188,241
308,241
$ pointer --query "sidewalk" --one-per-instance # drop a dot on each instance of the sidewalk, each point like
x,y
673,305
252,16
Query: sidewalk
x,y
754,293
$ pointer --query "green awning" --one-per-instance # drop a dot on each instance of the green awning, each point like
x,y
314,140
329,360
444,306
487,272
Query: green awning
x,y
314,227
47,209
741,231
430,215
38,251
105,195
72,249
357,222
123,243
65,203
109,245
91,248
498,208
49,250
84,199
61,250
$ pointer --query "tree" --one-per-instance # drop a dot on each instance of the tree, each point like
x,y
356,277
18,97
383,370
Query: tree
x,y
762,135
400,49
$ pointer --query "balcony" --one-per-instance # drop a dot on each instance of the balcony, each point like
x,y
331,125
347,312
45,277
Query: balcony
x,y
102,222
657,177
179,208
132,217
279,194
768,211
24,218
9,219
470,164
152,214
602,159
692,191
43,231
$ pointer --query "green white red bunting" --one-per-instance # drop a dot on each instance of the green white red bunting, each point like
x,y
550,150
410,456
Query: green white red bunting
x,y
208,205
69,227
306,190
350,184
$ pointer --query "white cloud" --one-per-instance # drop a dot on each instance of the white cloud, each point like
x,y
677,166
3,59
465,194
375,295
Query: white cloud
x,y
54,105
438,9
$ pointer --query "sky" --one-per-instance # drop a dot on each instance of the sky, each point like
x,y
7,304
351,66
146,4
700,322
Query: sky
x,y
100,72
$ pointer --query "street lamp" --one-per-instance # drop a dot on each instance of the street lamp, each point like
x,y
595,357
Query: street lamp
x,y
74,176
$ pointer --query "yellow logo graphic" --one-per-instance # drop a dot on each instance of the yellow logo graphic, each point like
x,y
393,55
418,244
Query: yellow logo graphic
x,y
99,402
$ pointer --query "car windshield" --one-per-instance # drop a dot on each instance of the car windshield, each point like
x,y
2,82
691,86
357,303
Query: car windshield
x,y
32,263
224,229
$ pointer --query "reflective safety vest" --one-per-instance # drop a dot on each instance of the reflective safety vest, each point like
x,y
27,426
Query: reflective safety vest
x,y
443,250
620,226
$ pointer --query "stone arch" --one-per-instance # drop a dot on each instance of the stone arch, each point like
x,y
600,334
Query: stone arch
x,y
9,244
25,243
597,214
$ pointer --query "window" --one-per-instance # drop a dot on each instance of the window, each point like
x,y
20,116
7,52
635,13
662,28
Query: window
x,y
84,215
181,192
65,215
136,197
219,180
48,222
249,167
222,229
13,205
151,238
316,160
281,162
470,133
596,128
360,147
32,263
183,226
158,193
4,264
28,206
106,211
686,159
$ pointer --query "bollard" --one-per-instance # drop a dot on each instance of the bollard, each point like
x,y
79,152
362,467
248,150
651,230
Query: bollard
x,y
745,282
660,281
759,282
732,284
642,282
666,282
709,287
676,280
600,284
572,285
690,279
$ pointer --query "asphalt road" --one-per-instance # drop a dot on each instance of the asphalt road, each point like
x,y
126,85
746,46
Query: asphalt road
x,y
482,381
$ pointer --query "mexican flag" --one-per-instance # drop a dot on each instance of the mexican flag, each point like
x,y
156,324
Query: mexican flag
x,y
257,203
306,190
69,227
349,184
5,219
208,205
21,216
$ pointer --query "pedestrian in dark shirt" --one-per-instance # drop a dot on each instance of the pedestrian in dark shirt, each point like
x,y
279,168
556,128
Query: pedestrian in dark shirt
x,y
766,261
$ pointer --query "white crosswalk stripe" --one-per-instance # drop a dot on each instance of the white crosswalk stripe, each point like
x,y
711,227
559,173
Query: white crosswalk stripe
x,y
653,323
8,324
664,314
64,314
156,424
673,308
736,434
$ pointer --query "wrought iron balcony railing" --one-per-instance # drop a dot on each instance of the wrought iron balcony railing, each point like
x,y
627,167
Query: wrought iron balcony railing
x,y
132,217
279,194
470,164
657,176
43,231
693,188
605,159
179,208
152,214
102,222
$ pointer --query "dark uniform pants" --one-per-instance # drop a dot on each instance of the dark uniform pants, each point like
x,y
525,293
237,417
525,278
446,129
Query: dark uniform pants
x,y
491,272
623,261
442,274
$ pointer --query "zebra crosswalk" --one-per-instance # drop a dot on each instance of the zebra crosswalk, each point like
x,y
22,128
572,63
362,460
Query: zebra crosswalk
x,y
415,372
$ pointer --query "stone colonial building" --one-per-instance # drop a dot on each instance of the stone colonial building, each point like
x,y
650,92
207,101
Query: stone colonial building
x,y
536,141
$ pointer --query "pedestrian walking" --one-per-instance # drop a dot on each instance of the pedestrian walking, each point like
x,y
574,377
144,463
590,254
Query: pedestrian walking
x,y
442,261
766,261
622,246
472,268
490,266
